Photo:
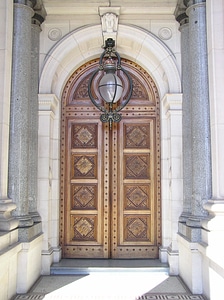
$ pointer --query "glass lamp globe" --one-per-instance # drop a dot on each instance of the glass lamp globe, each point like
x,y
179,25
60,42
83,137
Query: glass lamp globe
x,y
110,88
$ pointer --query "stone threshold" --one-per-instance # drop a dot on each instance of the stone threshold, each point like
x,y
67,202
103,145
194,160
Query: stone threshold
x,y
87,266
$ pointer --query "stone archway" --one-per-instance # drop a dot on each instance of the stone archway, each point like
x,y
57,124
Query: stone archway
x,y
133,43
69,54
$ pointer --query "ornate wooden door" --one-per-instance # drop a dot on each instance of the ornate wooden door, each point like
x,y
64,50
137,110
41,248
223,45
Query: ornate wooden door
x,y
110,179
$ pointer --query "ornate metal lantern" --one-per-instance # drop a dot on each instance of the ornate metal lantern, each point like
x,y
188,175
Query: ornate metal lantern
x,y
110,84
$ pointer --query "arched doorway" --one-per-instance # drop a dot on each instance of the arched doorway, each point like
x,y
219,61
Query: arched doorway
x,y
110,179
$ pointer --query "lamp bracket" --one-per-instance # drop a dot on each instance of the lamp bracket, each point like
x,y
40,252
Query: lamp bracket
x,y
110,115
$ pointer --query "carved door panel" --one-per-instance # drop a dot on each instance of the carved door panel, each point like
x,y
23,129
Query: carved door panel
x,y
86,202
134,200
110,179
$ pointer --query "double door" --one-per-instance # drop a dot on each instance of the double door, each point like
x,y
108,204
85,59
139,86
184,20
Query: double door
x,y
110,185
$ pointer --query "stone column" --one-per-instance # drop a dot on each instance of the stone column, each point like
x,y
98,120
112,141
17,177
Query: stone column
x,y
182,18
19,111
33,118
200,114
7,222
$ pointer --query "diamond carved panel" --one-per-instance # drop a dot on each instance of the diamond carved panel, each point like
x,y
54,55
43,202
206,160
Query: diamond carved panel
x,y
139,90
81,91
84,228
137,197
83,166
84,136
136,228
137,166
84,197
137,136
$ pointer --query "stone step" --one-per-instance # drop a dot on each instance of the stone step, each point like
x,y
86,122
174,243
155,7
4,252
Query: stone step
x,y
88,266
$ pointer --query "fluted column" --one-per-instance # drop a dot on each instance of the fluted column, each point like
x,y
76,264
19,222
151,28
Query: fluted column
x,y
182,18
33,118
19,111
200,115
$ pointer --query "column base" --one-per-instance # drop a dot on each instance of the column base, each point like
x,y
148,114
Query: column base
x,y
26,234
35,217
24,221
193,234
194,222
184,217
7,221
8,225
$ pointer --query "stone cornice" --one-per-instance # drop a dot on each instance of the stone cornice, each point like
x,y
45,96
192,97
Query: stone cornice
x,y
37,18
172,103
48,102
182,18
71,7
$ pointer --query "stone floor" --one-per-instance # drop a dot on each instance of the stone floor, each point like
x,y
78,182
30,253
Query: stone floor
x,y
105,279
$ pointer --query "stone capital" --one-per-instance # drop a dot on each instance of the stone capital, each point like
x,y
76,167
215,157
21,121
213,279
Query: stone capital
x,y
24,7
193,2
182,19
39,13
180,11
37,19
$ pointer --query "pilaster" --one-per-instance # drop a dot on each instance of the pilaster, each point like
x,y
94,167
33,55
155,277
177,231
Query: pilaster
x,y
172,185
48,178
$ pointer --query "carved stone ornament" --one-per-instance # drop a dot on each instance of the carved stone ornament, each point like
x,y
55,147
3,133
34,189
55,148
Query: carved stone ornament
x,y
54,34
109,22
165,33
